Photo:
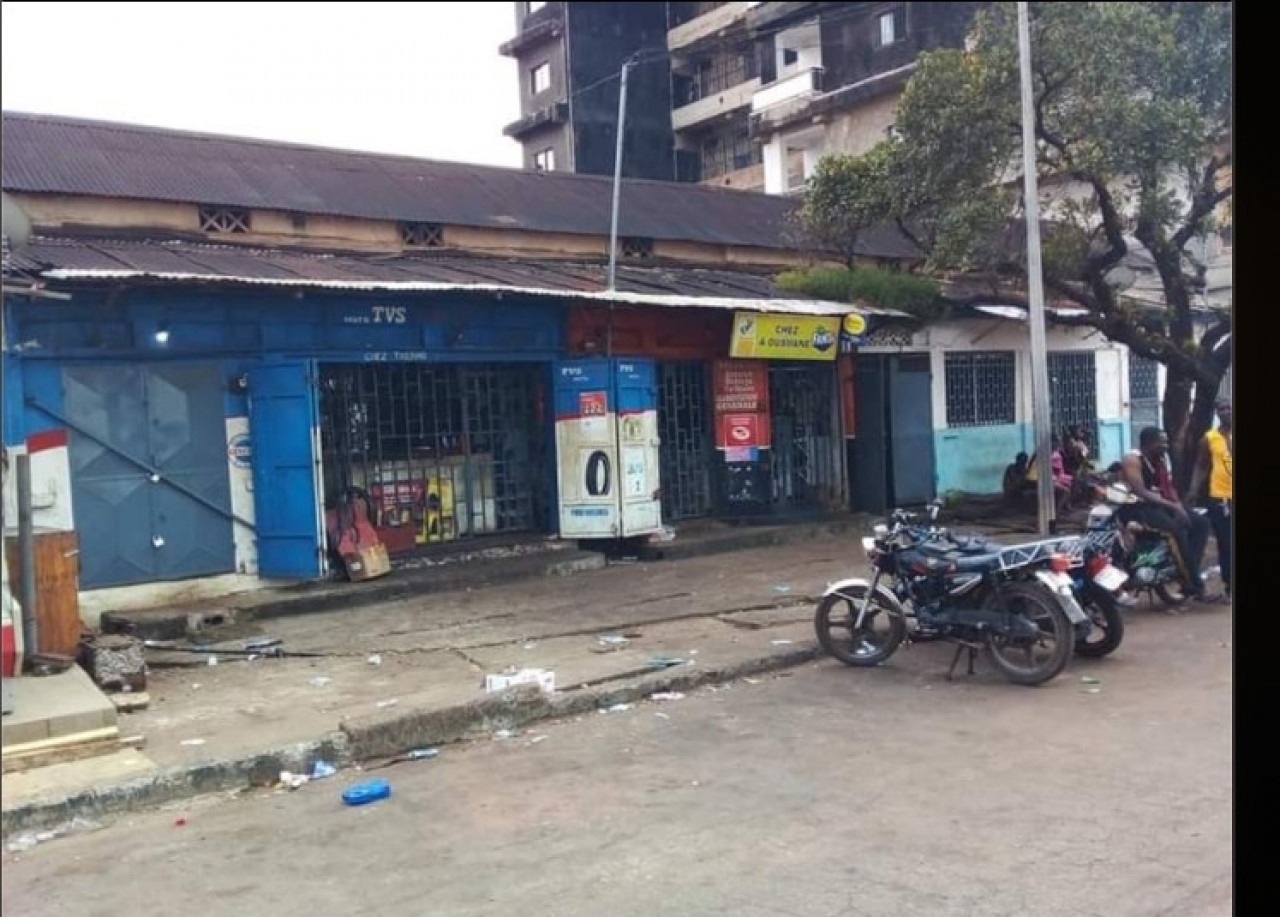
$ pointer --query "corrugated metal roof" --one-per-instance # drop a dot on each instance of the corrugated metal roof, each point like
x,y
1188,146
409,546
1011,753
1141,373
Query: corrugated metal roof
x,y
72,156
70,260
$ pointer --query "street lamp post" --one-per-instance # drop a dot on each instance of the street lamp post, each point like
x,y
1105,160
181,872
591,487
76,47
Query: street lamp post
x,y
1035,284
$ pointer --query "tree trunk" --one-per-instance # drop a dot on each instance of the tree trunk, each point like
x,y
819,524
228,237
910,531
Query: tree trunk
x,y
1179,387
1194,421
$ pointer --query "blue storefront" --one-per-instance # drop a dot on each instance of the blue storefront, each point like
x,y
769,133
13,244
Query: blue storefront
x,y
195,432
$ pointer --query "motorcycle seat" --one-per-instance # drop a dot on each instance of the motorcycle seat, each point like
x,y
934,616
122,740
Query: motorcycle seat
x,y
977,563
977,556
976,544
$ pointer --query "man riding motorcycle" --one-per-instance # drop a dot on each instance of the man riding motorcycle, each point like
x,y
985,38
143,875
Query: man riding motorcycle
x,y
1159,508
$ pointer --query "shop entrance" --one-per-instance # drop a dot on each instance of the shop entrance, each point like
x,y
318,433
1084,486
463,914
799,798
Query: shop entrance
x,y
806,455
445,452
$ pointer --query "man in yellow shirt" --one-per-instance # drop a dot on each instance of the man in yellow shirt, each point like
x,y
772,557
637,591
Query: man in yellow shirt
x,y
1213,464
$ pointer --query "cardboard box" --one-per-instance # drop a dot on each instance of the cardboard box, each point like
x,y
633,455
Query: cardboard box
x,y
369,563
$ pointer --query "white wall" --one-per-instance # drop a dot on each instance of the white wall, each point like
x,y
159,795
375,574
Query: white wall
x,y
1005,334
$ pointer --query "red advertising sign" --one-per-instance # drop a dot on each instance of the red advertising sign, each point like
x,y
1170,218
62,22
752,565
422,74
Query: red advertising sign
x,y
742,405
742,387
593,404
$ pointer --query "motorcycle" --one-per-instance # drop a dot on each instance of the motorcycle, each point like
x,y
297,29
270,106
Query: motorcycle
x,y
1142,554
1017,602
1098,585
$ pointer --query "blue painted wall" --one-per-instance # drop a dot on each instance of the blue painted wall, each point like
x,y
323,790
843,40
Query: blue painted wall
x,y
973,459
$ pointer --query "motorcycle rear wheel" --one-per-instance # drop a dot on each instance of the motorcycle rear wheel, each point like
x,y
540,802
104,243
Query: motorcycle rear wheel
x,y
868,646
1017,662
1107,630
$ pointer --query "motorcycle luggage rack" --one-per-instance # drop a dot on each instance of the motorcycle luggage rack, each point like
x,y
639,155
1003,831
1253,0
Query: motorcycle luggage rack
x,y
1020,555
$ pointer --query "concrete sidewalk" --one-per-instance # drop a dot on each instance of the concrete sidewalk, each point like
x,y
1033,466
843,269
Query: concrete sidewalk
x,y
401,675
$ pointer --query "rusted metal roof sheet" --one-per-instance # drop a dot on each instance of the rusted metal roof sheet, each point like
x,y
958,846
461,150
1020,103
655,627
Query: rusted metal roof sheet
x,y
81,260
47,154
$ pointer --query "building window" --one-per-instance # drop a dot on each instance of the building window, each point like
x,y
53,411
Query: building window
x,y
422,235
545,161
789,56
540,78
534,6
891,27
636,248
981,388
729,153
223,219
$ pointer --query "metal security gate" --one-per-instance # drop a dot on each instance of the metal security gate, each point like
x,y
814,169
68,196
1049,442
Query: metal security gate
x,y
449,451
149,476
804,471
684,422
1144,395
1073,393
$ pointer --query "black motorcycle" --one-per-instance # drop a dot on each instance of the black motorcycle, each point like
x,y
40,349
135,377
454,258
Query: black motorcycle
x,y
1144,555
1014,601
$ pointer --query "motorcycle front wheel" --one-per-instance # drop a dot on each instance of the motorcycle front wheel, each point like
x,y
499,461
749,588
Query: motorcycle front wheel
x,y
1032,662
1107,630
883,626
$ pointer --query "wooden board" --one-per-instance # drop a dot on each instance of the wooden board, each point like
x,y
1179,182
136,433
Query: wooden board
x,y
57,590
62,749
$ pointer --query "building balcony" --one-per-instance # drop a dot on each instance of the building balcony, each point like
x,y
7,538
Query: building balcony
x,y
712,106
722,19
807,108
553,114
799,87
534,32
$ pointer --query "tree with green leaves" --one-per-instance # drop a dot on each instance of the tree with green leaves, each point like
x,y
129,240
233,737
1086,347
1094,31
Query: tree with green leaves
x,y
1133,123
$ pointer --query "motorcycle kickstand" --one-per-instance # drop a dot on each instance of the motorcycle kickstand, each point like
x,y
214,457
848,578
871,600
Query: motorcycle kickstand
x,y
973,653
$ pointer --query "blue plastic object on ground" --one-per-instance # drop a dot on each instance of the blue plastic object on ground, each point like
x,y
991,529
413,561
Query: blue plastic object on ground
x,y
360,794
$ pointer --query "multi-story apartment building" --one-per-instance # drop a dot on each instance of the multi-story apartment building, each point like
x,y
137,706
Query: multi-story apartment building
x,y
570,55
832,73
738,94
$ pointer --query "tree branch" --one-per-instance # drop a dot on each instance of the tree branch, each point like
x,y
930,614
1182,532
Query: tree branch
x,y
1207,197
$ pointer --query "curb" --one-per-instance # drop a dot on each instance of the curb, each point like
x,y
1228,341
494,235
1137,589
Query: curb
x,y
749,538
172,784
371,737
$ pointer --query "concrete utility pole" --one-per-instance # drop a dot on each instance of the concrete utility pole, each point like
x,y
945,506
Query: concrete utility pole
x,y
617,176
1035,285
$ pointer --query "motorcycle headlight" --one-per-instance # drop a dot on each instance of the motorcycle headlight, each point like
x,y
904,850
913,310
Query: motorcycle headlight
x,y
880,531
868,544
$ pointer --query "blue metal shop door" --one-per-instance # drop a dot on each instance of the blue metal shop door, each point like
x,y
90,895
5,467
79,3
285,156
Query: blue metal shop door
x,y
149,475
282,422
911,429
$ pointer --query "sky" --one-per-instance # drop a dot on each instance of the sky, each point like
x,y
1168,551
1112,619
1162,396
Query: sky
x,y
417,79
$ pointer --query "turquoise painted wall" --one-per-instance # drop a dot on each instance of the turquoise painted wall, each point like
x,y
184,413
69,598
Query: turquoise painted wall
x,y
1113,441
973,459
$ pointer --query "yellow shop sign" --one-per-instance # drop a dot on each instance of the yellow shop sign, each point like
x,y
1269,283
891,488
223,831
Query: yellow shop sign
x,y
785,337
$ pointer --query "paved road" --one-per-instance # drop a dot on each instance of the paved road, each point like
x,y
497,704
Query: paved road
x,y
828,792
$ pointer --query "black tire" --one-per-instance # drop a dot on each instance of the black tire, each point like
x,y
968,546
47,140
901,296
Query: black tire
x,y
1170,598
1037,602
883,609
1107,632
